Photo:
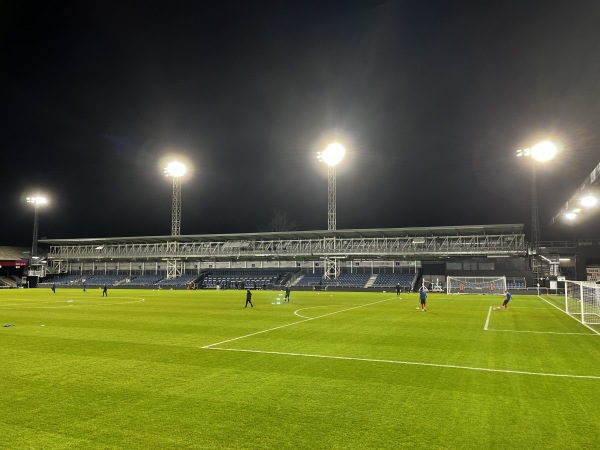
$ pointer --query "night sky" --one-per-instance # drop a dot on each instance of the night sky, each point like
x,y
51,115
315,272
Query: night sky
x,y
430,98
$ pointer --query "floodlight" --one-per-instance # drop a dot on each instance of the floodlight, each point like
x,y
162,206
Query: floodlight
x,y
544,151
175,169
571,215
333,154
588,201
37,200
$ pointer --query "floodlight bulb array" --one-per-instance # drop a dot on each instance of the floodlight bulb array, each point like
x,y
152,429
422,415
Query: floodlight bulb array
x,y
38,200
333,154
544,151
175,169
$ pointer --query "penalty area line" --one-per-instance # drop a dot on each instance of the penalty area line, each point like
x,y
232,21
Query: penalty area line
x,y
293,323
410,363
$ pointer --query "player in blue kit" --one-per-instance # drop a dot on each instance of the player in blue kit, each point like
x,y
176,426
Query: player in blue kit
x,y
507,297
423,298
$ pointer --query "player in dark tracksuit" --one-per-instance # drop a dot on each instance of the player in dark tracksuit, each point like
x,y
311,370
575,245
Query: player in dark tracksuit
x,y
248,298
287,295
398,289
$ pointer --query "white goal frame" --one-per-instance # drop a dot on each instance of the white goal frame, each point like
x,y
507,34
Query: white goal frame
x,y
475,285
582,301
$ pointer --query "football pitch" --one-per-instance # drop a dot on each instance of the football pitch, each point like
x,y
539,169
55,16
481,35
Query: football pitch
x,y
195,369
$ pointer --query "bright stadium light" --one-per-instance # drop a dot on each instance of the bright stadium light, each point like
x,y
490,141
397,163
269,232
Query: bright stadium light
x,y
36,201
571,215
588,201
542,152
176,170
332,156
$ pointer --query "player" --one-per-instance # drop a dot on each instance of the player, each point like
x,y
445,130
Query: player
x,y
104,291
507,298
423,298
287,294
54,288
491,288
397,289
248,298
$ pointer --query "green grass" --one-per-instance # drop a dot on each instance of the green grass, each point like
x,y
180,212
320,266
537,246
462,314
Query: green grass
x,y
329,370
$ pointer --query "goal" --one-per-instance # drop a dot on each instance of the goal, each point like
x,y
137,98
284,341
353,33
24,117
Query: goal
x,y
476,285
582,301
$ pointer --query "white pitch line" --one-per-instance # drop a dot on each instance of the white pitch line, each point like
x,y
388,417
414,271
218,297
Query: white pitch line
x,y
293,323
487,322
585,325
412,363
544,332
80,306
311,307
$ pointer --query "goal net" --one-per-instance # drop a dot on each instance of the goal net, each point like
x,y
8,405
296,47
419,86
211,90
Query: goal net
x,y
476,285
582,301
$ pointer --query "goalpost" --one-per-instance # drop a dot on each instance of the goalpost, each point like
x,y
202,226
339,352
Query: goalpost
x,y
476,285
582,301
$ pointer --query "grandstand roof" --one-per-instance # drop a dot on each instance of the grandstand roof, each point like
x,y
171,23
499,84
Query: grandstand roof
x,y
14,253
468,230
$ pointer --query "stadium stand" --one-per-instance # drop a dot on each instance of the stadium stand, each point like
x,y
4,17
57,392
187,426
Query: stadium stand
x,y
310,279
243,278
145,280
390,280
183,280
516,283
349,280
62,280
101,280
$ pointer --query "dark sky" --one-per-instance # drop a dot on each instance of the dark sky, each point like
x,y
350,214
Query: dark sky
x,y
431,98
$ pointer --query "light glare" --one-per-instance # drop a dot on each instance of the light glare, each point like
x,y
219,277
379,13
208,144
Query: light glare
x,y
544,151
589,201
38,200
333,154
571,215
175,169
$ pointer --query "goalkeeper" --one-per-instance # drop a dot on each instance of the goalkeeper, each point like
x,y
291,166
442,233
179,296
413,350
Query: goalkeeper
x,y
507,297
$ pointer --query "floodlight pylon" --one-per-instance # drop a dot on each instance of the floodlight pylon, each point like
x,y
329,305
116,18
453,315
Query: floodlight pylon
x,y
36,201
176,208
331,199
535,217
176,170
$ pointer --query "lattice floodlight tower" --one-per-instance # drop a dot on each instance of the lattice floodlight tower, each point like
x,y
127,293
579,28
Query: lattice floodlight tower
x,y
175,170
476,285
36,201
539,153
36,267
332,156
